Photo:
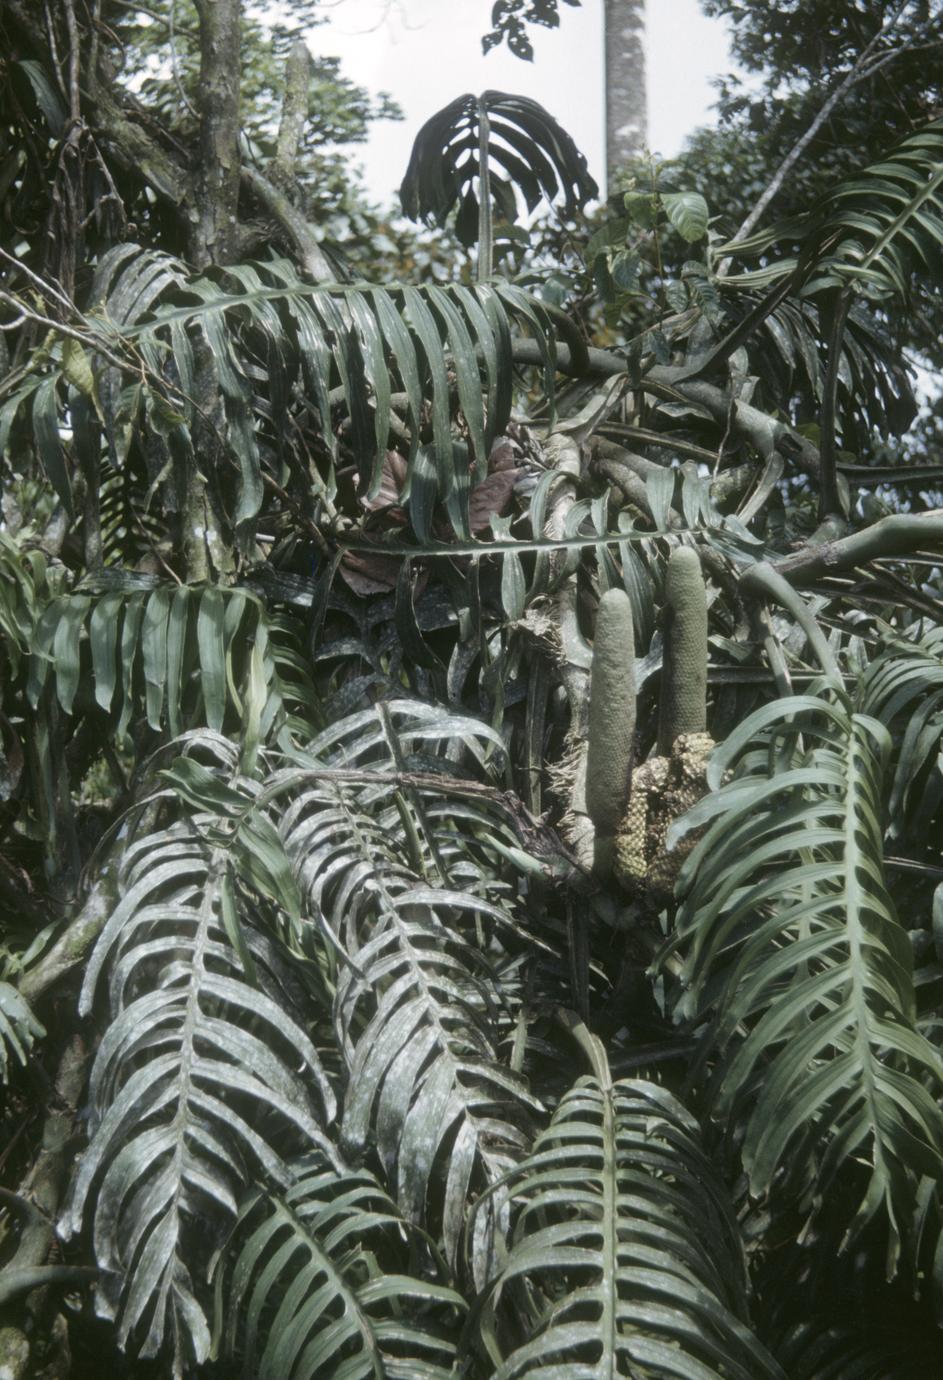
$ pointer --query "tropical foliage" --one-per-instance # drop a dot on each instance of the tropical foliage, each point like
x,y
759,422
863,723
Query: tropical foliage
x,y
470,793
820,90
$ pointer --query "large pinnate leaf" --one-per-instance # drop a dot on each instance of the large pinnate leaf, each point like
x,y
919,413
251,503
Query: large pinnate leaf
x,y
317,1280
171,656
202,1078
623,1256
875,393
903,687
798,974
350,350
878,1345
18,1028
418,1007
887,223
525,149
872,233
23,585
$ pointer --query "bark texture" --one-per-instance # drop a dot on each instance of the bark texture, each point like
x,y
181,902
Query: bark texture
x,y
626,102
215,226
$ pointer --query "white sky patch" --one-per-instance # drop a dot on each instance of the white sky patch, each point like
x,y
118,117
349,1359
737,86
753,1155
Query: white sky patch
x,y
685,50
427,52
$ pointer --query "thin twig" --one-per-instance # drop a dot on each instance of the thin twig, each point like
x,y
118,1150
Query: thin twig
x,y
156,16
54,50
95,27
43,284
24,314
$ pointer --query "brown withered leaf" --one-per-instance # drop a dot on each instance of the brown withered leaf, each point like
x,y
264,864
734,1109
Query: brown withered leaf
x,y
392,479
503,455
369,574
492,495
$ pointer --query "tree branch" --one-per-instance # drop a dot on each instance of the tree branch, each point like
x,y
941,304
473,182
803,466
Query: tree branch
x,y
602,362
134,149
157,17
37,1204
858,72
900,534
763,432
310,254
72,946
662,441
294,113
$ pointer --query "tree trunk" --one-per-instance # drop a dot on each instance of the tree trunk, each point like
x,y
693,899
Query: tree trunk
x,y
626,107
204,539
215,226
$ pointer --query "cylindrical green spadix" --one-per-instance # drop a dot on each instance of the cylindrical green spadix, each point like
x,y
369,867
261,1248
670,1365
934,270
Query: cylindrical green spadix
x,y
683,704
611,722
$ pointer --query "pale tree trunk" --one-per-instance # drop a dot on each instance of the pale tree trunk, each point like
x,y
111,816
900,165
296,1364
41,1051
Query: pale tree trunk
x,y
626,105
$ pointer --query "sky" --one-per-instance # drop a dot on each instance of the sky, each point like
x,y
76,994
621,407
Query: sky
x,y
427,52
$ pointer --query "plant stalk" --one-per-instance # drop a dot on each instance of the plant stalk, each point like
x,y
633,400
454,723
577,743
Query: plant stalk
x,y
485,214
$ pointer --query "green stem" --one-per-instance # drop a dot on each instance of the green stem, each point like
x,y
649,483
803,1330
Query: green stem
x,y
763,580
897,535
485,218
830,499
